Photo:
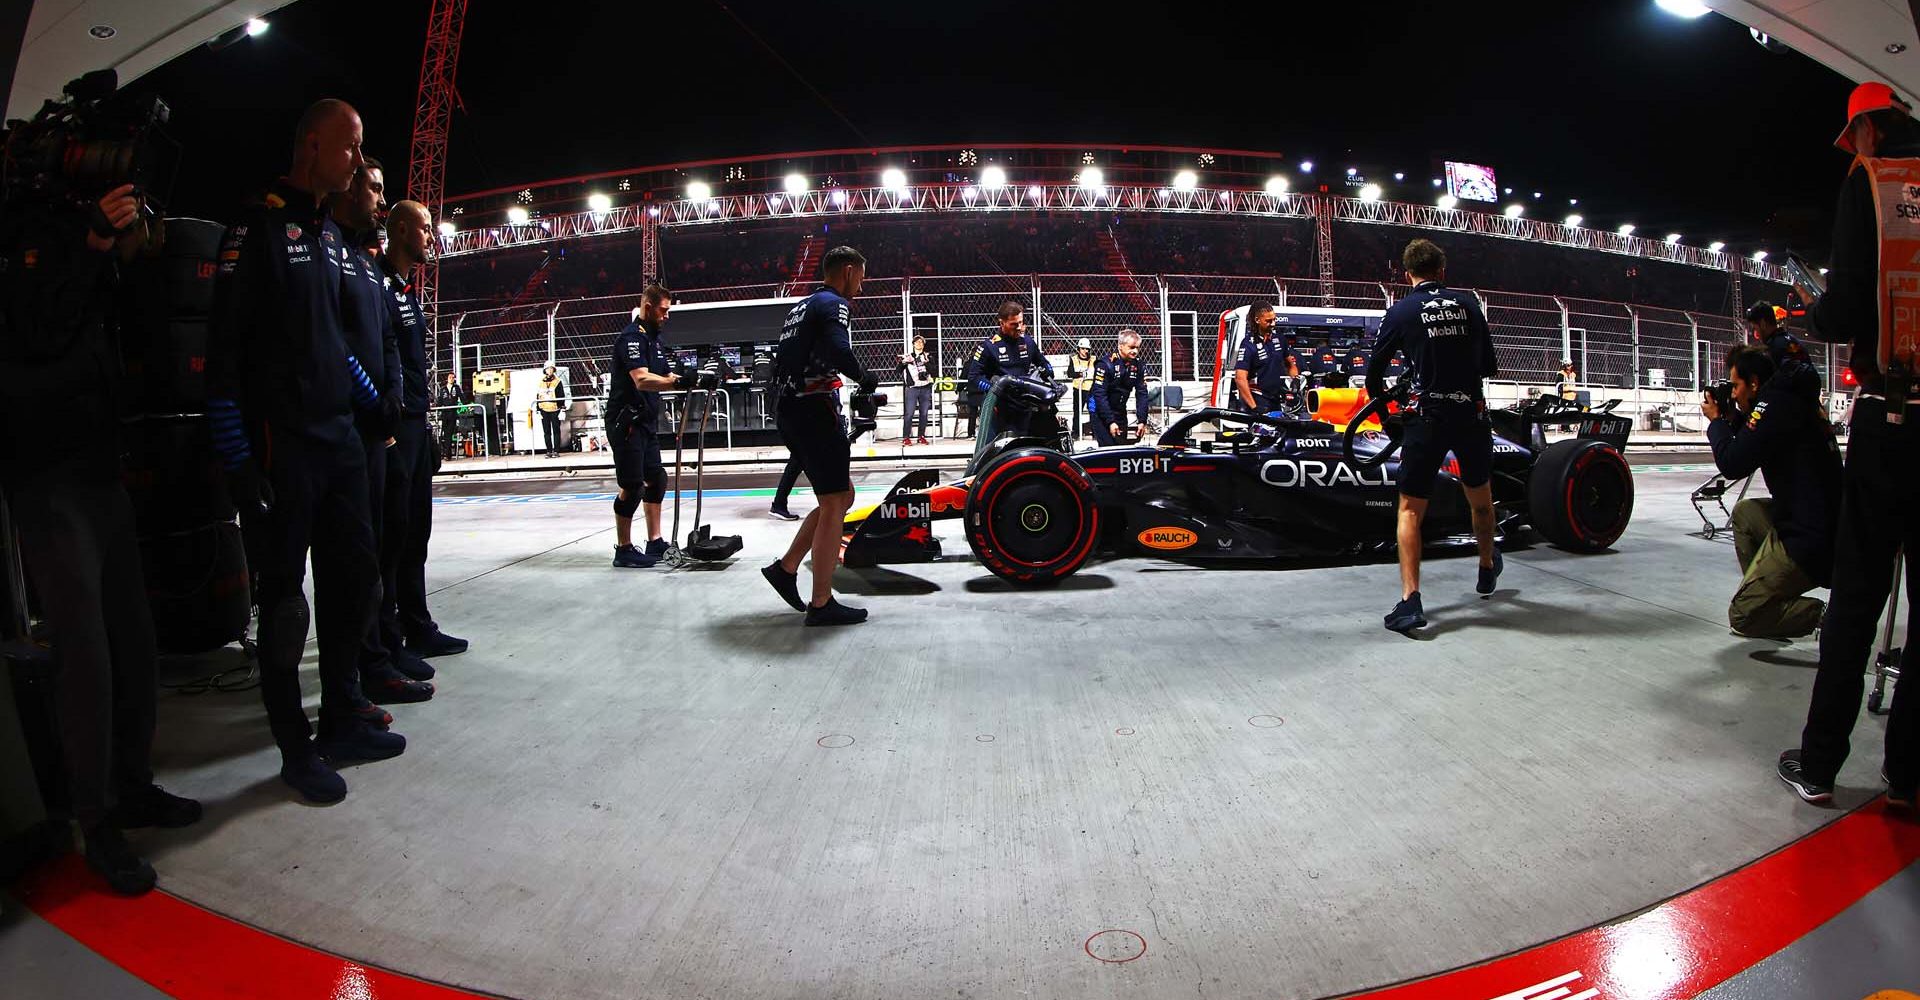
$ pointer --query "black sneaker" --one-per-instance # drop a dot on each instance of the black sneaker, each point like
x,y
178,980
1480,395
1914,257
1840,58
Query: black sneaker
x,y
109,855
1796,778
386,686
411,665
152,806
371,714
1407,615
656,547
353,741
628,557
835,613
783,514
313,779
1489,576
437,643
786,584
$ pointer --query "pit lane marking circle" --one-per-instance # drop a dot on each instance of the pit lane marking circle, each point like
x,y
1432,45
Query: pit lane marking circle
x,y
1266,722
1115,946
834,741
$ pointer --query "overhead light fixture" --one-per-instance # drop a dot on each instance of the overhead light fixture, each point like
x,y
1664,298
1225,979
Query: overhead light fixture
x,y
1688,9
1447,202
599,204
699,191
1276,185
1092,179
256,27
1573,201
1673,239
839,198
516,216
894,179
1626,230
1371,192
1759,255
1536,196
448,229
795,184
1573,221
1306,166
1035,194
1186,180
1352,170
1515,210
1399,176
993,178
1716,246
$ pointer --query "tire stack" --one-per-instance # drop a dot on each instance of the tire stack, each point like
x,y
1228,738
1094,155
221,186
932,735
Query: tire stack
x,y
190,545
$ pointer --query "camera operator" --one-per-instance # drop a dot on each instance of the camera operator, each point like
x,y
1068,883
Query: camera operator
x,y
1266,357
410,462
1449,354
553,401
388,676
282,393
1785,545
1882,477
1115,377
642,370
73,518
816,346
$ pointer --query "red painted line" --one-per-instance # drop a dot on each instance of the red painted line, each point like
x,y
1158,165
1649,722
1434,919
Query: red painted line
x,y
1100,469
1704,937
189,952
1678,949
1195,467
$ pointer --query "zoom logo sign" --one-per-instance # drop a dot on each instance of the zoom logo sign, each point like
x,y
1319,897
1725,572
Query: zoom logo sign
x,y
1288,473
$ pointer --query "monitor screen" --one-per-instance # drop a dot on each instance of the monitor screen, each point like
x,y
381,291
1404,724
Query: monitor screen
x,y
1471,182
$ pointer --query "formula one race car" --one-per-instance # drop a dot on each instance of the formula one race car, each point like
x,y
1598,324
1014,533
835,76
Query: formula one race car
x,y
1222,484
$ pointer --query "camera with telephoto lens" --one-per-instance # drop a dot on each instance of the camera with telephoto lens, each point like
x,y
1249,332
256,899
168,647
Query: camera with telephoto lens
x,y
1722,393
77,149
865,406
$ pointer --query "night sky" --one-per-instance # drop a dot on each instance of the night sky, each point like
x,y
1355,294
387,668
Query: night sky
x,y
1674,125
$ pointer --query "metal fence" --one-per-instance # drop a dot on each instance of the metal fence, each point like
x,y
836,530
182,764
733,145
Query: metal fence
x,y
1613,345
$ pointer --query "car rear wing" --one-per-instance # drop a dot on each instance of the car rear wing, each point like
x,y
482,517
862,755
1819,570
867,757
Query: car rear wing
x,y
1609,427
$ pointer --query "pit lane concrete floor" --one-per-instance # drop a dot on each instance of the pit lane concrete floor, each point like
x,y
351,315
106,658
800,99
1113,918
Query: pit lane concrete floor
x,y
658,784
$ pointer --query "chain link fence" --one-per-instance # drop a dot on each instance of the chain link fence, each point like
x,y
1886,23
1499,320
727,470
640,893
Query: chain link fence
x,y
1613,345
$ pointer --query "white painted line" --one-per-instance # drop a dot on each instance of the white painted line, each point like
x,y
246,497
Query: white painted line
x,y
1529,992
1588,995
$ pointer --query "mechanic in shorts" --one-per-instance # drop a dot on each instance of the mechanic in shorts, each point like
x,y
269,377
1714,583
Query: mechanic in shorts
x,y
816,348
642,370
1449,353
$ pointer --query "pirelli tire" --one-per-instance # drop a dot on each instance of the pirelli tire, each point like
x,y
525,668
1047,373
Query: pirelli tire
x,y
1580,496
1031,517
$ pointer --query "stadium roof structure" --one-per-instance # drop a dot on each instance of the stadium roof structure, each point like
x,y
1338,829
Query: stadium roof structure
x,y
66,38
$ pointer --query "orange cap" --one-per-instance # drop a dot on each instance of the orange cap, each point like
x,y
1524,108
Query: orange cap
x,y
1868,97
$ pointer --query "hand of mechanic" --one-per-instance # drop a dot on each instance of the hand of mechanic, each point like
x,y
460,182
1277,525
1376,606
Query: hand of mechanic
x,y
1807,295
1709,406
1113,429
1141,432
249,490
118,207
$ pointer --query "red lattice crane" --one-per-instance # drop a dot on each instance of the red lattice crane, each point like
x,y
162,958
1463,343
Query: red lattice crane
x,y
426,171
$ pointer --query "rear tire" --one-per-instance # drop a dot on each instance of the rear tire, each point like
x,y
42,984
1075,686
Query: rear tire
x,y
1580,495
1031,518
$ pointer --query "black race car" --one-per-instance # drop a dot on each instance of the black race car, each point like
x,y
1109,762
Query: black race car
x,y
1222,484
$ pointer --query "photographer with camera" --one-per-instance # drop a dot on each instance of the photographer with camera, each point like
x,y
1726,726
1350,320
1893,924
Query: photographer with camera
x,y
642,370
1775,426
388,675
1116,377
916,378
816,348
1449,352
1864,306
72,516
283,390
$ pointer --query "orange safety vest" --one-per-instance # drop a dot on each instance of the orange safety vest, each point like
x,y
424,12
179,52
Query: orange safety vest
x,y
1895,184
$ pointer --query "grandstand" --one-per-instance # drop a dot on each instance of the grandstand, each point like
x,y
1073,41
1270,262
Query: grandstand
x,y
1088,261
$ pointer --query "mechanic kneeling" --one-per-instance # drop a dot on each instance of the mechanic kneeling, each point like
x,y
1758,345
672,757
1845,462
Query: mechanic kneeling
x,y
1785,544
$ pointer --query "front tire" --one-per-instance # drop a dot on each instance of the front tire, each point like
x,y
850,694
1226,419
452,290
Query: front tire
x,y
1031,518
1580,494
